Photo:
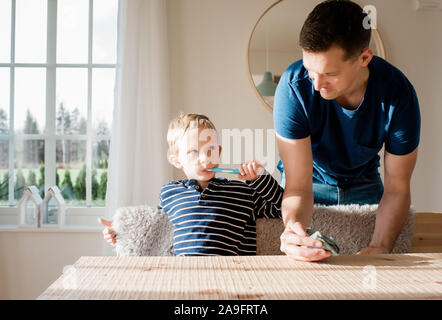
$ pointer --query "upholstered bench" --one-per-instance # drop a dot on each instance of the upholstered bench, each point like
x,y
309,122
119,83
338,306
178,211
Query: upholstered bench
x,y
146,231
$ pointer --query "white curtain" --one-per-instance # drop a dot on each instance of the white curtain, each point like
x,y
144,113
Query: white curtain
x,y
138,164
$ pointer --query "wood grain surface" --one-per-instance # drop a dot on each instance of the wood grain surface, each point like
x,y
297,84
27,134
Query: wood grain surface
x,y
393,276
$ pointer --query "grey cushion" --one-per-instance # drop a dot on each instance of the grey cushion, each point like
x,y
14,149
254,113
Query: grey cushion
x,y
351,226
146,231
143,231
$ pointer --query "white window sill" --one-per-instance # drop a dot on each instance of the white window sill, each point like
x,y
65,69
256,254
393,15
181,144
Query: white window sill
x,y
81,218
81,229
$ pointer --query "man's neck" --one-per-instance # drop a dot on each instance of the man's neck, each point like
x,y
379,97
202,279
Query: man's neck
x,y
353,98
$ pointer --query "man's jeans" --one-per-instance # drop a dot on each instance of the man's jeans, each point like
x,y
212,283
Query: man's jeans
x,y
365,193
361,192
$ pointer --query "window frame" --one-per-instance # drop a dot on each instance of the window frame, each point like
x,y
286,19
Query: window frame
x,y
50,136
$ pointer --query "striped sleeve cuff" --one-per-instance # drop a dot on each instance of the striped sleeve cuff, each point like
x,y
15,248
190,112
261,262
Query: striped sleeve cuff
x,y
266,186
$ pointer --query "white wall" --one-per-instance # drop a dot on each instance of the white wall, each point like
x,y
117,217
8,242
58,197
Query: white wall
x,y
208,54
31,260
413,43
208,48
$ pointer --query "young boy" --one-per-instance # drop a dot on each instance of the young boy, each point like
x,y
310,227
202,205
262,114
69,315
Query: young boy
x,y
212,216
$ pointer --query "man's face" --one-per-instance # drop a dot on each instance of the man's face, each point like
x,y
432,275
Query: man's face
x,y
331,75
198,152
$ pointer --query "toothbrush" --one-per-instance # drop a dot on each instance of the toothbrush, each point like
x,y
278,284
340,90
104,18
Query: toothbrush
x,y
225,170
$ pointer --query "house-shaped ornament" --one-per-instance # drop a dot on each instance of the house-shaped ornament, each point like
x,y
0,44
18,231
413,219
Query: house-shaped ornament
x,y
29,208
53,209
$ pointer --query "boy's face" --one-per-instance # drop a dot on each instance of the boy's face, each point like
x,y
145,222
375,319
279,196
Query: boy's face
x,y
198,151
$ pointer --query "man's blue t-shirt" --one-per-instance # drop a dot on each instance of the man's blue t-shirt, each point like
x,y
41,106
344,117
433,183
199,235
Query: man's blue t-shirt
x,y
346,143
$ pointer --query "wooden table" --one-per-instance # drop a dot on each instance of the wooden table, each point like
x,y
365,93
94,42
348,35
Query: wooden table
x,y
393,276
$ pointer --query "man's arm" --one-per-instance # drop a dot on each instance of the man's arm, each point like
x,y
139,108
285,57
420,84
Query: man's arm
x,y
297,201
395,203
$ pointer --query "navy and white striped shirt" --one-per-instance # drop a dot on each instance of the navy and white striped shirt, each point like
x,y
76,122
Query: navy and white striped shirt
x,y
219,220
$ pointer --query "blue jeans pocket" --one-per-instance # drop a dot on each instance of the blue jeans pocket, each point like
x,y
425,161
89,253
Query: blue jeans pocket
x,y
367,193
325,194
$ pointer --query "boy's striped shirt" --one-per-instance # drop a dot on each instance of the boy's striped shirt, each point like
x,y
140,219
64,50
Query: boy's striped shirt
x,y
221,219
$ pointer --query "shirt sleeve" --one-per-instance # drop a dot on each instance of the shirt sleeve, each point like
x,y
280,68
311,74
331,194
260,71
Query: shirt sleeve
x,y
160,196
289,117
267,196
160,206
404,132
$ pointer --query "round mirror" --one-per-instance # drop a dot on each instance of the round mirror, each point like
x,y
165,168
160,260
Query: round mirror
x,y
273,44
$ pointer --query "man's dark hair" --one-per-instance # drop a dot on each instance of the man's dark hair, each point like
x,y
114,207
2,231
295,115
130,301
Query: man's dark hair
x,y
335,22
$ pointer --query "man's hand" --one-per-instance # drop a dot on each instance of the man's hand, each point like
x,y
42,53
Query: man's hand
x,y
293,237
373,250
393,209
250,170
109,234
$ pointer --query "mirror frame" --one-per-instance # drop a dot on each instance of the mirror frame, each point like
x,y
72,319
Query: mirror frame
x,y
374,33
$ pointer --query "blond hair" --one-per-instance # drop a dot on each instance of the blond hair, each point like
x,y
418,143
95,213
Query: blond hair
x,y
179,126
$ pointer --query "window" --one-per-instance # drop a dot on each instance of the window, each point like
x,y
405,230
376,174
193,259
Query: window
x,y
57,77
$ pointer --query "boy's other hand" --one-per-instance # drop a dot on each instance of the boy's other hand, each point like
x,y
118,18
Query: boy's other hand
x,y
109,234
250,170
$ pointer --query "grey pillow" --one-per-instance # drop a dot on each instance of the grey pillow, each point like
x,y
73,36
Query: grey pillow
x,y
142,231
351,226
147,231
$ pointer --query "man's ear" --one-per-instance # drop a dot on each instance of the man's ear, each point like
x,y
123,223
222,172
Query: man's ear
x,y
366,57
173,160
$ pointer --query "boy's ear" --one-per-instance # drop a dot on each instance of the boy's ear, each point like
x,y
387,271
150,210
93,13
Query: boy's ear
x,y
173,160
220,149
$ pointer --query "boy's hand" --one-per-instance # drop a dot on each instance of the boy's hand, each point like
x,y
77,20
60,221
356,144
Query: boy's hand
x,y
109,234
250,170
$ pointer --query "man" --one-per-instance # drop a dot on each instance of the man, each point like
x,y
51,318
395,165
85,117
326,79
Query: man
x,y
334,110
